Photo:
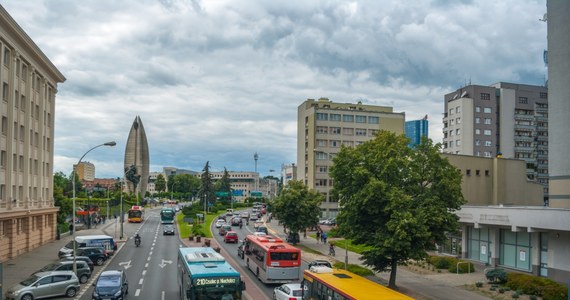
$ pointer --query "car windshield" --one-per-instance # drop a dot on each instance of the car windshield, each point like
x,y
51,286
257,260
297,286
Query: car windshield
x,y
109,281
49,267
29,281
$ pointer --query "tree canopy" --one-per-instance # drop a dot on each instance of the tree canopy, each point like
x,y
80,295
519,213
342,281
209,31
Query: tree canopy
x,y
395,199
297,207
160,183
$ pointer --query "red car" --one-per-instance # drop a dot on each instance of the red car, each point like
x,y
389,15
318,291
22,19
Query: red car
x,y
231,237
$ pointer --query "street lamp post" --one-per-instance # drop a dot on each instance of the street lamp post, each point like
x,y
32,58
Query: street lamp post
x,y
111,144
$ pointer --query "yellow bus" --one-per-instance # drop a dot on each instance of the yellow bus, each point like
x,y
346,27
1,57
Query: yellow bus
x,y
325,283
136,214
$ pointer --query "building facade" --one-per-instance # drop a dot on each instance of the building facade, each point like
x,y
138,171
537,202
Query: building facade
x,y
288,172
415,130
85,171
559,108
136,154
323,126
28,217
504,119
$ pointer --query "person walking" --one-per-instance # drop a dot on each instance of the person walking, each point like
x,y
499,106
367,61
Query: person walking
x,y
324,237
318,236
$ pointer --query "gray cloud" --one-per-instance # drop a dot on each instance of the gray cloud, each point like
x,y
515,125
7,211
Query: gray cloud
x,y
220,80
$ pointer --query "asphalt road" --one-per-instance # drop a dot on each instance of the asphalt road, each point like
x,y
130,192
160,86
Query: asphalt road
x,y
150,268
231,248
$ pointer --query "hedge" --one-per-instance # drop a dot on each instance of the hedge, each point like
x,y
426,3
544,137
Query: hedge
x,y
532,285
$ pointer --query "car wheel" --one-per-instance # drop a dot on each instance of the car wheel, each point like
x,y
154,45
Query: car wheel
x,y
127,291
274,296
27,297
71,292
83,278
99,261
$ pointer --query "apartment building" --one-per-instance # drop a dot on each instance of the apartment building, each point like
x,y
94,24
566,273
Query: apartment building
x,y
506,119
288,172
323,126
85,171
28,82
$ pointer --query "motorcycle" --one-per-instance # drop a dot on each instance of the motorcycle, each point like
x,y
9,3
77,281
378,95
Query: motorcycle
x,y
137,241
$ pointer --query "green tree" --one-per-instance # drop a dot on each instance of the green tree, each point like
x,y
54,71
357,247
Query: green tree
x,y
206,186
397,200
60,182
297,207
160,183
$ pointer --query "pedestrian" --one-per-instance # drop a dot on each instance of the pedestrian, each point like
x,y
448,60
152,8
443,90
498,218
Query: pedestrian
x,y
318,236
324,237
305,234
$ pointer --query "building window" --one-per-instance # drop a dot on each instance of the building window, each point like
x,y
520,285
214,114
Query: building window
x,y
334,143
477,120
373,120
372,132
523,100
487,110
485,96
458,121
322,117
4,125
477,142
451,111
360,119
477,109
360,132
6,56
348,143
322,169
322,129
450,144
451,132
322,156
458,109
348,118
487,154
321,143
468,172
487,143
451,122
477,131
5,91
458,143
335,130
487,132
543,95
3,159
488,121
348,131
335,117
458,131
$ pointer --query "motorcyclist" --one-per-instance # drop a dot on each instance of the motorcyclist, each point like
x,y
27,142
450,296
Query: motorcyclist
x,y
137,239
240,224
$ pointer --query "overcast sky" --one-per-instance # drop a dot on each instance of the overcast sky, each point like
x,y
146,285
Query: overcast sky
x,y
221,80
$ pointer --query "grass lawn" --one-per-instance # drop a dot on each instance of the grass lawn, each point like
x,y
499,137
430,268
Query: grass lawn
x,y
351,247
185,228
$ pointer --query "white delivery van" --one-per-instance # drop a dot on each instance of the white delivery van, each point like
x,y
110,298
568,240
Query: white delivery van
x,y
103,241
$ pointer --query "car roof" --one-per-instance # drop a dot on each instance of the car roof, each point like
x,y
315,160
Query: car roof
x,y
293,286
231,231
45,273
111,272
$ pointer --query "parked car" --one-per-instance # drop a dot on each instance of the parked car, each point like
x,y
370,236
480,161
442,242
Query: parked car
x,y
231,237
288,291
112,284
168,229
45,284
97,255
83,271
220,222
80,258
319,263
224,229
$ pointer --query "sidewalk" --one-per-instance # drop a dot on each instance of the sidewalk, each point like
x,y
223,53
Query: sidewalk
x,y
445,286
21,267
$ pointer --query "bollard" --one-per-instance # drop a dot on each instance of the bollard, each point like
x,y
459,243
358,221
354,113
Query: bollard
x,y
207,242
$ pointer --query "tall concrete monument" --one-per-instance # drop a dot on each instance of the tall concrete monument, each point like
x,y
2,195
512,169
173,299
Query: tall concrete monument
x,y
137,159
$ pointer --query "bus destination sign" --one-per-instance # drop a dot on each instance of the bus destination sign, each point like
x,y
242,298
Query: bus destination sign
x,y
216,281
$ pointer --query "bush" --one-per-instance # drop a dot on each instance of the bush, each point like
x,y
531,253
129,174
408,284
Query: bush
x,y
464,267
442,262
479,284
532,297
537,286
554,292
496,275
515,295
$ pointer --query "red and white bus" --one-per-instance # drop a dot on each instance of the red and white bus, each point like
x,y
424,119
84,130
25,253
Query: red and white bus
x,y
272,260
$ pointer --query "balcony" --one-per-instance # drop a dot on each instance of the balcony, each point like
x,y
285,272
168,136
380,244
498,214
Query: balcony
x,y
521,117
541,109
542,138
523,138
525,127
524,149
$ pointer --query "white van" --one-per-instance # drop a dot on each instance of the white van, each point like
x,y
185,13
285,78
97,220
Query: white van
x,y
229,212
104,241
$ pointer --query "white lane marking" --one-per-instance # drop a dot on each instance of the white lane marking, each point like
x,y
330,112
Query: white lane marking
x,y
162,298
137,292
150,253
146,265
144,272
148,258
141,280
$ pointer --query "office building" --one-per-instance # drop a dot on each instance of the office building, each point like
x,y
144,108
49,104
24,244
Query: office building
x,y
416,129
28,82
288,172
506,119
559,108
85,171
323,126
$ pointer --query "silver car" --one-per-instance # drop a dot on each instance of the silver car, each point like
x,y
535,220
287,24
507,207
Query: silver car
x,y
45,284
